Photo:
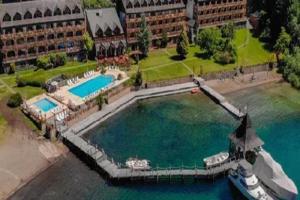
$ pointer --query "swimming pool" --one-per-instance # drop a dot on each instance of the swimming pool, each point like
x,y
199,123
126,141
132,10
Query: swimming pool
x,y
92,85
45,105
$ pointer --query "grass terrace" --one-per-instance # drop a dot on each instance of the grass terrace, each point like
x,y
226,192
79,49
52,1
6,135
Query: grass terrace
x,y
40,76
163,64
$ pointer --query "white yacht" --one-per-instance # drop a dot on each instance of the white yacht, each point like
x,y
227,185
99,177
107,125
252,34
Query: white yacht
x,y
247,183
215,160
136,164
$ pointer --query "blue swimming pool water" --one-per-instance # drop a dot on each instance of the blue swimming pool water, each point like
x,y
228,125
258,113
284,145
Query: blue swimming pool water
x,y
45,104
92,85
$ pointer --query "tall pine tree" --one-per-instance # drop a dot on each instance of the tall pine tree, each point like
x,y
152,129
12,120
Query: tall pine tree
x,y
182,44
144,37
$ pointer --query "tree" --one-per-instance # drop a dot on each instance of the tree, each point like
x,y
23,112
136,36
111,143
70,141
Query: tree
x,y
290,67
228,31
182,47
100,101
164,39
208,40
42,62
282,43
12,68
88,44
14,100
138,78
144,37
226,52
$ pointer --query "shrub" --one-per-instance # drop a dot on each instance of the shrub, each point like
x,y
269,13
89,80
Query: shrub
x,y
103,70
100,101
61,59
15,100
138,79
42,62
120,77
224,57
12,68
23,82
158,43
20,82
294,80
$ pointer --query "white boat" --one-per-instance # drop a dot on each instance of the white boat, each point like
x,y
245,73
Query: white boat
x,y
215,160
136,164
247,183
272,176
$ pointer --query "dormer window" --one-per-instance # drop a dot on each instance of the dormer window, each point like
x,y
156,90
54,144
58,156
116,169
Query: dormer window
x,y
129,5
37,14
108,32
48,13
6,18
76,10
17,17
99,32
28,15
57,12
67,11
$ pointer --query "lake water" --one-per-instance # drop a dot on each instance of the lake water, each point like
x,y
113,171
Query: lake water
x,y
173,131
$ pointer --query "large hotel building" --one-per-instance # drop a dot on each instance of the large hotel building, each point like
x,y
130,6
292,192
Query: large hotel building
x,y
160,15
33,28
38,27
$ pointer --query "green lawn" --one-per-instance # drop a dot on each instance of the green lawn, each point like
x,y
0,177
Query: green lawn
x,y
162,64
3,124
70,69
175,70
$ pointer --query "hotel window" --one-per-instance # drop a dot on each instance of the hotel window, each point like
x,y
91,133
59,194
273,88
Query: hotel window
x,y
17,17
6,18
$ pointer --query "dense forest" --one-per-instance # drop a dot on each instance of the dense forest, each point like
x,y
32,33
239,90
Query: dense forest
x,y
280,27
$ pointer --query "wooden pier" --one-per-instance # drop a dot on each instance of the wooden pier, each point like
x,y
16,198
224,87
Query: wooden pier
x,y
117,171
219,98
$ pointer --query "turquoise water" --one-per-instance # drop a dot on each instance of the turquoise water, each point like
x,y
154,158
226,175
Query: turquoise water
x,y
45,105
177,130
92,85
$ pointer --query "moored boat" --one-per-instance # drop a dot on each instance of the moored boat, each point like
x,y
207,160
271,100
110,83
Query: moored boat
x,y
272,177
136,164
215,160
247,183
195,90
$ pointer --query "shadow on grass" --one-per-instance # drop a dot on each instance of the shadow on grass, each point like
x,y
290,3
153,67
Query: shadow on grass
x,y
202,55
177,58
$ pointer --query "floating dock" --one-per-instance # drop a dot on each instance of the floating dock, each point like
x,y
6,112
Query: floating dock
x,y
219,98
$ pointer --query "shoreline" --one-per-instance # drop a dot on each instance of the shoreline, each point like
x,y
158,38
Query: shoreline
x,y
228,86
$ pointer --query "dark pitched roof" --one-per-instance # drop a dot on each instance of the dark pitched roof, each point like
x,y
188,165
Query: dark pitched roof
x,y
103,18
245,136
149,8
41,5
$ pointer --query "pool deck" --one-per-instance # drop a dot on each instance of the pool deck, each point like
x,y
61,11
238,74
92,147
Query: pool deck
x,y
68,98
37,112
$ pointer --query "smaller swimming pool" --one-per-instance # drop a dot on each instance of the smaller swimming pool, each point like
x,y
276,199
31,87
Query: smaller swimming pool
x,y
92,85
45,105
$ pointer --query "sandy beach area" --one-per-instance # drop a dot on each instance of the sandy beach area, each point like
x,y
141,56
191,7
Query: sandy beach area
x,y
23,155
244,81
